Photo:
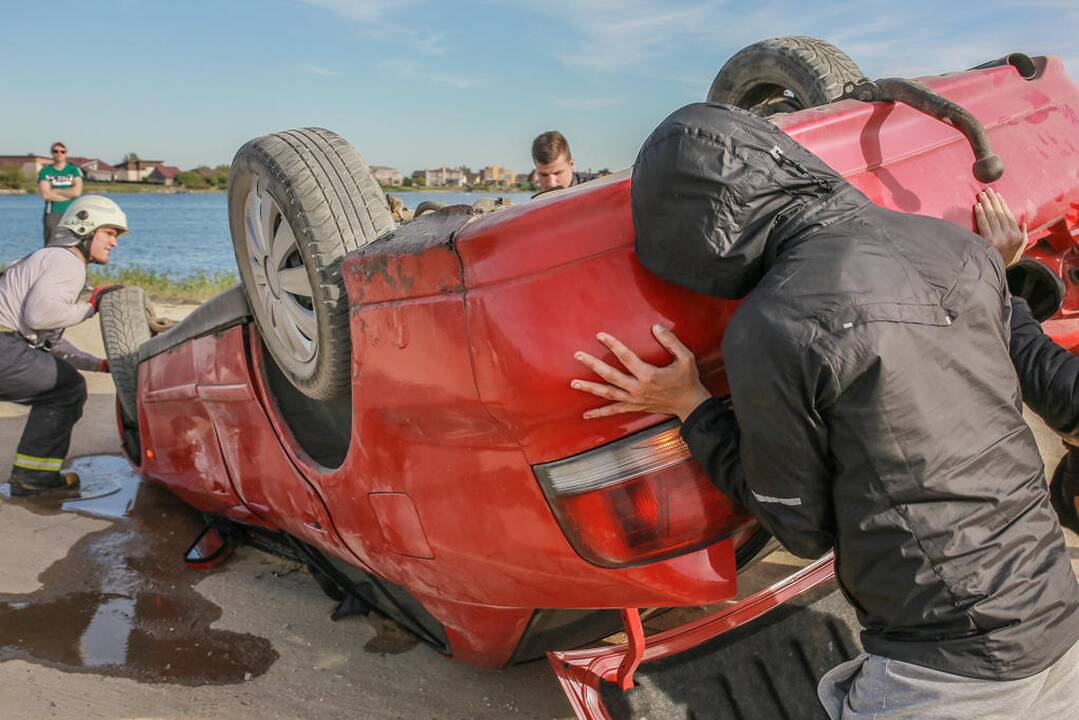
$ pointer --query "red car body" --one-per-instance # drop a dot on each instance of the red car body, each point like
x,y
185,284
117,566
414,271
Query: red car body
x,y
462,353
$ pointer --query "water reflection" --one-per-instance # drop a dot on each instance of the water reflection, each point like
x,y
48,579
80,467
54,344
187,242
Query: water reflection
x,y
122,602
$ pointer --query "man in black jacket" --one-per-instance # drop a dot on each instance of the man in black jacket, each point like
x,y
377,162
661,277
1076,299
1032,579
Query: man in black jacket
x,y
876,414
1048,373
1049,376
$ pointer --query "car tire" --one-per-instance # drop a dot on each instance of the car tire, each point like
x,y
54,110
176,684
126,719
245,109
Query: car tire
x,y
784,74
299,201
124,328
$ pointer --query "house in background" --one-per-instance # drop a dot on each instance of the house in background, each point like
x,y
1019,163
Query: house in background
x,y
498,176
442,177
94,169
163,175
29,164
136,170
387,175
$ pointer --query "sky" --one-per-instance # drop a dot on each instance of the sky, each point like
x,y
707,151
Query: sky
x,y
424,83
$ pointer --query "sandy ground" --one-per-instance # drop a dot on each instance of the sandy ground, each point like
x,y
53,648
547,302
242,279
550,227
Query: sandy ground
x,y
323,670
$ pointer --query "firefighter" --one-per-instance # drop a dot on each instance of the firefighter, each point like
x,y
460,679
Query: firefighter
x,y
39,298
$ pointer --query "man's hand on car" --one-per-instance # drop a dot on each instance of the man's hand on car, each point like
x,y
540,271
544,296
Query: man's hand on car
x,y
999,227
675,389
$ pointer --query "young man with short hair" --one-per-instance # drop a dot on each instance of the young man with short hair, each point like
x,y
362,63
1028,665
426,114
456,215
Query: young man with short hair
x,y
58,184
554,162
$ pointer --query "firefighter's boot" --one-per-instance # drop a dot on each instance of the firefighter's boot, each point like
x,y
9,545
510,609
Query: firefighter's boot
x,y
32,483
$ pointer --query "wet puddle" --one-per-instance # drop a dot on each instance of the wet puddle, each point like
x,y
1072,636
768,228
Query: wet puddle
x,y
122,603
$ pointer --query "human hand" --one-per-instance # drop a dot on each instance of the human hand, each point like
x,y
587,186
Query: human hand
x,y
999,227
95,296
675,389
103,366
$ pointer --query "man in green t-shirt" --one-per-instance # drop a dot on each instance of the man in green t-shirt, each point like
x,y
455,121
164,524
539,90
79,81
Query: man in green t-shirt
x,y
58,184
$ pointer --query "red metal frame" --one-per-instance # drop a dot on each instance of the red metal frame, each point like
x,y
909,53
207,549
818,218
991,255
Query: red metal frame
x,y
631,619
463,352
581,671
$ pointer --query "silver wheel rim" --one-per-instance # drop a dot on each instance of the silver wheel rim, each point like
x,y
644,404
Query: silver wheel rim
x,y
281,285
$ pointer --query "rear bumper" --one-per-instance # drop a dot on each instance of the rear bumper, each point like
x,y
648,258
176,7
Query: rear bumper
x,y
795,629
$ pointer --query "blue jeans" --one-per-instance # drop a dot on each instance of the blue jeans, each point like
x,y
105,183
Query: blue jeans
x,y
871,687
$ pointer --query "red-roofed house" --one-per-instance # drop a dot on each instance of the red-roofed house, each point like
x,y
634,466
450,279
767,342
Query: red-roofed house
x,y
29,163
95,169
163,175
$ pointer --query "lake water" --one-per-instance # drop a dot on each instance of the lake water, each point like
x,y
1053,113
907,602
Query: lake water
x,y
179,234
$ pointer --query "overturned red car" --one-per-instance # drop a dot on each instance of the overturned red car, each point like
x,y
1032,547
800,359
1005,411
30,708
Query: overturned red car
x,y
387,397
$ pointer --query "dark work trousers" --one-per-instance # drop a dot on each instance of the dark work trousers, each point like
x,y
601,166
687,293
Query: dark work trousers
x,y
50,221
55,392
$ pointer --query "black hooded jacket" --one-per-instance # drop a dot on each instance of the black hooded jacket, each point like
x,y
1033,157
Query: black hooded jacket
x,y
877,408
1048,373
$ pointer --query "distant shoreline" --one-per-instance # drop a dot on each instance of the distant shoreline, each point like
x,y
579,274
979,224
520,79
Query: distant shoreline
x,y
107,188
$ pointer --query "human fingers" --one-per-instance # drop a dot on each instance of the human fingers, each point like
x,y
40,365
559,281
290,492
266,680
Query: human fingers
x,y
627,357
612,409
609,392
997,201
667,338
605,371
1006,215
992,221
980,218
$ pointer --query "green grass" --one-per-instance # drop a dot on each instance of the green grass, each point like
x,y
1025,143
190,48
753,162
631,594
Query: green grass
x,y
163,287
93,188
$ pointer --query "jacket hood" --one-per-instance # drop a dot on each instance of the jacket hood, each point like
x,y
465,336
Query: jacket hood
x,y
717,192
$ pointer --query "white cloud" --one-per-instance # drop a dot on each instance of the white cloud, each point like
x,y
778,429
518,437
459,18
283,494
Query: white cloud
x,y
589,104
320,71
618,34
413,71
884,38
373,18
457,81
360,10
408,69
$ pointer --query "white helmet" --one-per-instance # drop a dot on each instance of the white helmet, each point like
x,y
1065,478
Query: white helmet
x,y
89,212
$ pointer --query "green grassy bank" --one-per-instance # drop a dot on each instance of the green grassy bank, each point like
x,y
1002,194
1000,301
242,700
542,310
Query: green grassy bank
x,y
163,287
109,188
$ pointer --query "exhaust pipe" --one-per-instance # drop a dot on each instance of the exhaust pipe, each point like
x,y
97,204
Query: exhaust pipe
x,y
987,168
1023,64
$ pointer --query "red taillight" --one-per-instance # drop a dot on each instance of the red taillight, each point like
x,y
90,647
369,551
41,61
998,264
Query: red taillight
x,y
637,500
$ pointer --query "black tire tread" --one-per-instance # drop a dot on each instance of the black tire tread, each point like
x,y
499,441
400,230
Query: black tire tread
x,y
829,67
829,64
123,329
330,187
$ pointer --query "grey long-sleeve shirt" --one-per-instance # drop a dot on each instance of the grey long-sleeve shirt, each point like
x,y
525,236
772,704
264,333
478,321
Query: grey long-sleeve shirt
x,y
39,297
